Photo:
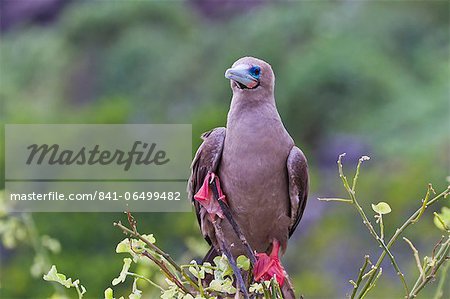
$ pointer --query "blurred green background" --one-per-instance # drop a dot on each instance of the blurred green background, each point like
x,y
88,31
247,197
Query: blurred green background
x,y
365,78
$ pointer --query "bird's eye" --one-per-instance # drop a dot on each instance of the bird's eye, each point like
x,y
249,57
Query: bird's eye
x,y
256,70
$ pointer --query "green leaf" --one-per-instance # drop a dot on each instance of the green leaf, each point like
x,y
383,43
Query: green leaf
x,y
225,286
224,268
169,294
123,246
256,288
381,208
123,273
243,262
442,219
53,275
109,293
138,245
207,268
194,271
197,271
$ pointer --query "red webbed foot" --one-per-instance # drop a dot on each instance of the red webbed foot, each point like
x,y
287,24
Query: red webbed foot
x,y
205,196
268,266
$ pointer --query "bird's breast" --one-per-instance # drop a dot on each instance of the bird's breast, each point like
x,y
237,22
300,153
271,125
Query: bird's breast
x,y
253,166
253,175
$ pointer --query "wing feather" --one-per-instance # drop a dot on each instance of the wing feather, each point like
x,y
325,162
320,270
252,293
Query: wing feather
x,y
297,167
206,160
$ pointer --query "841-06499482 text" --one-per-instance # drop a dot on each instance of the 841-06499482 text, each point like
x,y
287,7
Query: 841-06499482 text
x,y
98,195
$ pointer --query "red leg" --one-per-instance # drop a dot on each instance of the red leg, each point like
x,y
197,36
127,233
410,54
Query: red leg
x,y
268,266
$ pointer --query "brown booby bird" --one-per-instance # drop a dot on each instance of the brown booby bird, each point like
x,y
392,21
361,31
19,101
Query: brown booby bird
x,y
259,172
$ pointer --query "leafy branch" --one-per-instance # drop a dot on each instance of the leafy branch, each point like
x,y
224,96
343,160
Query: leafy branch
x,y
185,281
192,280
430,267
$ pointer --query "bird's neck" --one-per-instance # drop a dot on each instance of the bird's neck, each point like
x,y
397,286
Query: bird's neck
x,y
252,111
247,100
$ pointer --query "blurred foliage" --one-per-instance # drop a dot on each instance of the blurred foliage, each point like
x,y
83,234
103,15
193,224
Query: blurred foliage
x,y
356,77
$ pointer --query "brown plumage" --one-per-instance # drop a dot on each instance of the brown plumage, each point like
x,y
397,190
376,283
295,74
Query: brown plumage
x,y
262,173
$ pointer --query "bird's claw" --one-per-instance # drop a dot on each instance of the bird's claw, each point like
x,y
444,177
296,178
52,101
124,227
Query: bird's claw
x,y
268,266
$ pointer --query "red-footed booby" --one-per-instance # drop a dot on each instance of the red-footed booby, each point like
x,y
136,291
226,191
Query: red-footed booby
x,y
259,172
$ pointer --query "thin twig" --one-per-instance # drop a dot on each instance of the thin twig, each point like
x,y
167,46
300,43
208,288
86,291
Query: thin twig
x,y
147,280
373,269
335,199
441,256
166,271
424,202
355,178
416,257
360,276
374,282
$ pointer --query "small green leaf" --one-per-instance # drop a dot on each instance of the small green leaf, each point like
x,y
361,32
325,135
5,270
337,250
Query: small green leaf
x,y
197,271
169,294
194,271
109,293
442,219
123,246
225,286
256,288
224,267
53,275
381,208
207,268
243,262
123,273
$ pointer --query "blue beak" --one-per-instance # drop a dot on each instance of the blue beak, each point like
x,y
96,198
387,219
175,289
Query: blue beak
x,y
241,74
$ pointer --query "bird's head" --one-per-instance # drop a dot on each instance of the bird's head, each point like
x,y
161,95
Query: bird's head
x,y
249,74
